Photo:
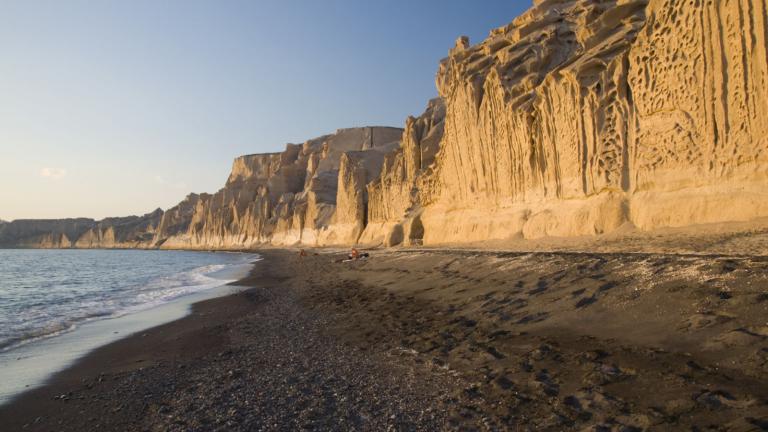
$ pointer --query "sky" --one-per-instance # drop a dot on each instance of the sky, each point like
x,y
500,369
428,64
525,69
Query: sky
x,y
114,108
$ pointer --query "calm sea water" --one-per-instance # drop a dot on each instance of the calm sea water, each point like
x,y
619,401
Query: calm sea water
x,y
44,293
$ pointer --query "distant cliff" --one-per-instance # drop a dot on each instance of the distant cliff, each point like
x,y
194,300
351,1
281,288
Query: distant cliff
x,y
577,118
125,232
311,193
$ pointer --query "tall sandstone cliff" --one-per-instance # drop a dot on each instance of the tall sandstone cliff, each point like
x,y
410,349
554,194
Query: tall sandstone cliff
x,y
312,193
581,116
577,118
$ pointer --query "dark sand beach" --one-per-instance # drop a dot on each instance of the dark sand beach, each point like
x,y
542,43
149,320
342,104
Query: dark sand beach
x,y
440,340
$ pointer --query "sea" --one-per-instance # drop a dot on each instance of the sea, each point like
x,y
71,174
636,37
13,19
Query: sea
x,y
57,305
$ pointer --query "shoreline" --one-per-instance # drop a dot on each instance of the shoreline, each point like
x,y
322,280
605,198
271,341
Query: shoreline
x,y
122,356
54,354
29,364
420,340
175,347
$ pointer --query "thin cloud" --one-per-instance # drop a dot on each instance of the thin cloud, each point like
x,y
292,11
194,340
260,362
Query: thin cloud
x,y
53,173
173,184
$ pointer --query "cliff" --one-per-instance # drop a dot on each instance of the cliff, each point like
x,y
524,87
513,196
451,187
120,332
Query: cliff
x,y
313,193
121,232
125,232
581,116
397,195
578,118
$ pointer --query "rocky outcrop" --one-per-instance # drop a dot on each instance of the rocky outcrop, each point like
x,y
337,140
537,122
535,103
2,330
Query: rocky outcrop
x,y
537,123
582,116
314,193
53,233
176,221
396,197
697,151
576,119
122,232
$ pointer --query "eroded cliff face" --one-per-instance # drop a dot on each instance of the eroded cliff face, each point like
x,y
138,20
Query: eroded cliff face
x,y
537,126
43,233
126,232
313,193
396,197
697,74
579,117
122,232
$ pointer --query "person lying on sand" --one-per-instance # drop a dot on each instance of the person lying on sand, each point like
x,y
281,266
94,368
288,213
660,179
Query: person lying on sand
x,y
354,255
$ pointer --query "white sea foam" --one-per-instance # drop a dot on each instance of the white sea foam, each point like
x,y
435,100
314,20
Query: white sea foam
x,y
44,294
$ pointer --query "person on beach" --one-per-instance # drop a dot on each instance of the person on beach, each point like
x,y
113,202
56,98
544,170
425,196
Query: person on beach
x,y
356,255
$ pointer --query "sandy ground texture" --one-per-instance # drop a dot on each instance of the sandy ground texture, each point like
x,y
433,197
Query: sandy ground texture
x,y
441,340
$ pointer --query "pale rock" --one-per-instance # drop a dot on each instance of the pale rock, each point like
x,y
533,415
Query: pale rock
x,y
291,197
395,197
123,232
578,118
581,116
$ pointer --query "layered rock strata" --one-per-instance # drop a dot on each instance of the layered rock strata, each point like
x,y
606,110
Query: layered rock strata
x,y
397,196
124,232
313,193
576,119
581,116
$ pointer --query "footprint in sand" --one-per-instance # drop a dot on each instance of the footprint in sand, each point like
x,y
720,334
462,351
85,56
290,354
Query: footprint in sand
x,y
715,399
533,318
545,383
706,319
586,302
607,286
541,286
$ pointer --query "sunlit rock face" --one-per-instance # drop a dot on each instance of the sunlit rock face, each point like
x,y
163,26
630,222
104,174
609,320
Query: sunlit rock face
x,y
314,193
397,196
581,116
536,125
697,74
577,118
123,232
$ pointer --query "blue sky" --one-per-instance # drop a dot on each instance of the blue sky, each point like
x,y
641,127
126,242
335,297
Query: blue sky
x,y
113,108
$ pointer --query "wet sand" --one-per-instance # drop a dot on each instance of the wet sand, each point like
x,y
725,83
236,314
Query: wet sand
x,y
30,365
440,340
